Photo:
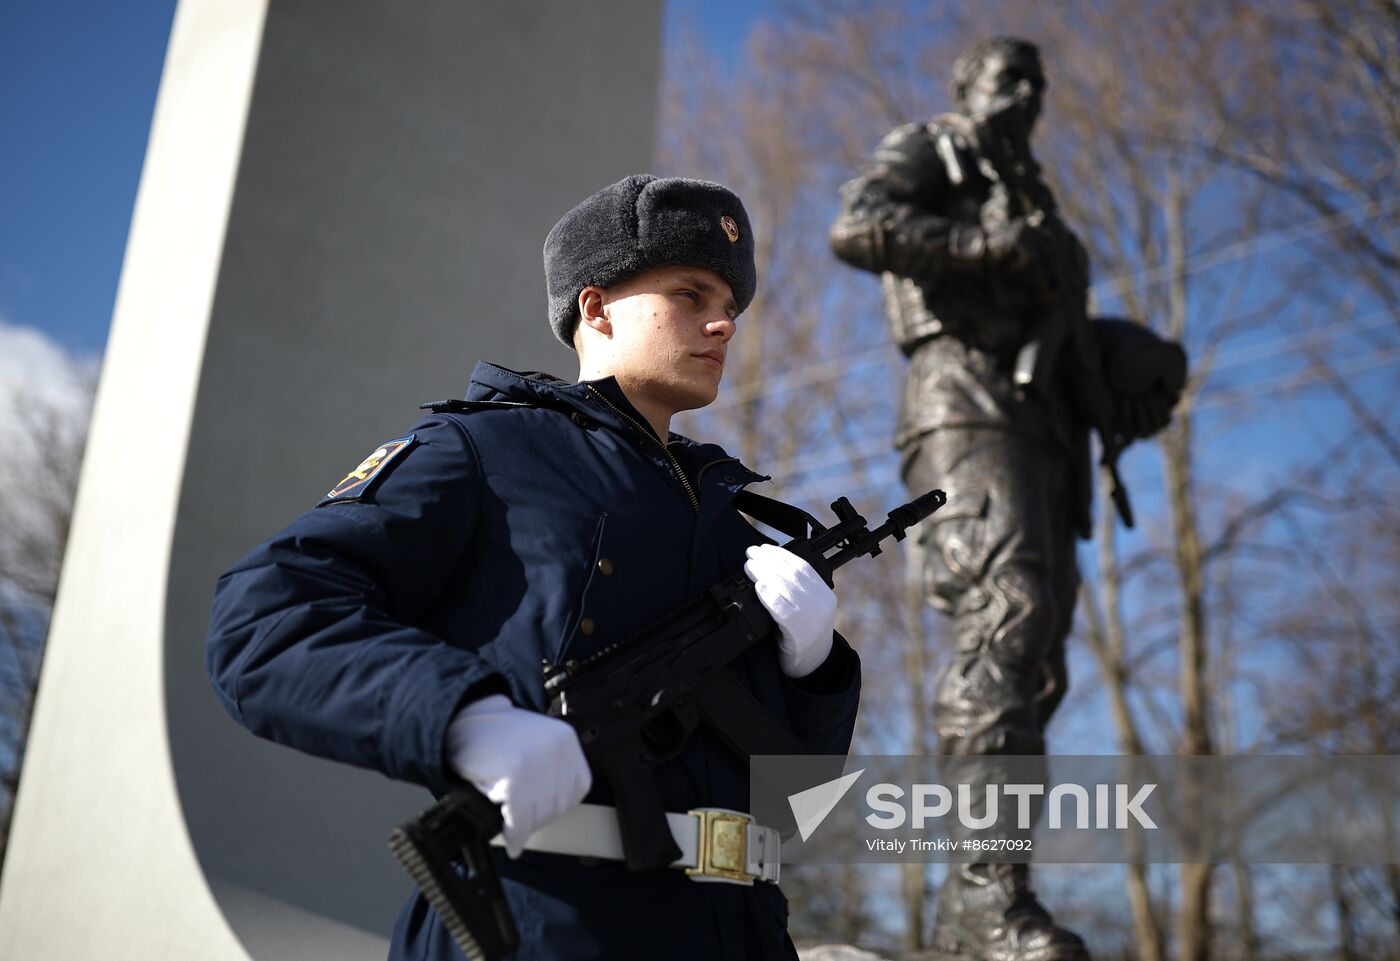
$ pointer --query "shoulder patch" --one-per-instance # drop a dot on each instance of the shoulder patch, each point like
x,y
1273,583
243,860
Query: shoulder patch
x,y
355,483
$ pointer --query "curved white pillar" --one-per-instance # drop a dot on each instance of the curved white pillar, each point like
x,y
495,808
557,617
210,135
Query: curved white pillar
x,y
342,209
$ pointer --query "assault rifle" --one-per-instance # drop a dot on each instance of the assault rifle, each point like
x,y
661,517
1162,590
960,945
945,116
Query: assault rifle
x,y
1004,137
634,704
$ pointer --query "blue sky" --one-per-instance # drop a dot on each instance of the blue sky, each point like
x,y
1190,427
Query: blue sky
x,y
77,86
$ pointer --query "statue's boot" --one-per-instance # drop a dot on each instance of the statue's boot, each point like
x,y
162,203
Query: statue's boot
x,y
988,912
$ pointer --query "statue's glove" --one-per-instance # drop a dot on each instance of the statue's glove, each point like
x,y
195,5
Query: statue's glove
x,y
528,763
800,602
1146,373
1021,253
1141,415
1018,247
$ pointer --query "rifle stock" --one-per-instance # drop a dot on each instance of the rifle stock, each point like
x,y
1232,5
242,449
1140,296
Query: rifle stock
x,y
471,905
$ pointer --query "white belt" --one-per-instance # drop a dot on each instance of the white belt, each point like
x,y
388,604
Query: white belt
x,y
716,844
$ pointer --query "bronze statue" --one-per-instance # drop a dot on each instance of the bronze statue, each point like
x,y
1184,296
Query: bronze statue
x,y
986,289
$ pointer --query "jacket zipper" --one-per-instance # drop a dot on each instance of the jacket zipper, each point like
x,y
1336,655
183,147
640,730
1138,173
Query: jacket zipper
x,y
649,433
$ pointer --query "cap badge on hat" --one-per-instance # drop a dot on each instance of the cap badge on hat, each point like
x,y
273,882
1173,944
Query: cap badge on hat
x,y
731,229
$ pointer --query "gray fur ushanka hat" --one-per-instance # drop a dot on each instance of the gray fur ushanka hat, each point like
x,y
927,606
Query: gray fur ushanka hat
x,y
643,222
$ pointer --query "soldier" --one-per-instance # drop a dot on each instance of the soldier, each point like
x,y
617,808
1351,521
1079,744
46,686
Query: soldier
x,y
401,624
977,268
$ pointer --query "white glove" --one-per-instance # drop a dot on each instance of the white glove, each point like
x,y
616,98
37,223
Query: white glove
x,y
529,763
799,601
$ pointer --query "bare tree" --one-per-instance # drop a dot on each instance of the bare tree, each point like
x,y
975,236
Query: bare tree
x,y
37,484
1344,697
1326,143
1208,187
789,408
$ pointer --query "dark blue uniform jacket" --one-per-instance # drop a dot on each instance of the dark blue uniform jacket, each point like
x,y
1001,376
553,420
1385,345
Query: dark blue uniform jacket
x,y
474,556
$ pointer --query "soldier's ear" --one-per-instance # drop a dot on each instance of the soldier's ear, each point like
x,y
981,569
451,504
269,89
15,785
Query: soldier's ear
x,y
591,310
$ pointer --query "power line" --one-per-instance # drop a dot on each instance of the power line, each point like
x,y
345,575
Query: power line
x,y
873,450
824,457
831,369
1268,240
837,367
836,454
1290,343
1271,385
885,356
806,492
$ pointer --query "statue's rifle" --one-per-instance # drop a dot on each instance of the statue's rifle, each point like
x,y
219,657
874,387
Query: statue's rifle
x,y
1004,137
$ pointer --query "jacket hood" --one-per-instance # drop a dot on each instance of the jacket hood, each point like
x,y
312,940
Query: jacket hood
x,y
491,382
601,401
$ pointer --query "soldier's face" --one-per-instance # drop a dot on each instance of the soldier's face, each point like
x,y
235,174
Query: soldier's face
x,y
1005,82
671,328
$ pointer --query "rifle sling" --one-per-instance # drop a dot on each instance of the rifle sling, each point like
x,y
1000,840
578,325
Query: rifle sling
x,y
744,726
784,518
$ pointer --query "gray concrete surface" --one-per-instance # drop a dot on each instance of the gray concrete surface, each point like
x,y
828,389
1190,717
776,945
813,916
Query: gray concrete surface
x,y
342,209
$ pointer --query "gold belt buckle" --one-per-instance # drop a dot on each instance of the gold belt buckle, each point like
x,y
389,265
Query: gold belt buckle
x,y
724,845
